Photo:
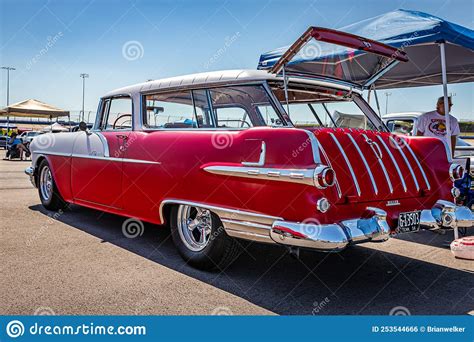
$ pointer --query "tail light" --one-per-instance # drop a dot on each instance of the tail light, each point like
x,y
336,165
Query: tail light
x,y
324,177
456,172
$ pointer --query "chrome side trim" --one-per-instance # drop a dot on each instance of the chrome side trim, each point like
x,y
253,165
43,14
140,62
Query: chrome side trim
x,y
394,163
382,166
314,146
261,158
338,187
301,176
112,159
223,213
356,183
374,185
406,162
417,163
60,154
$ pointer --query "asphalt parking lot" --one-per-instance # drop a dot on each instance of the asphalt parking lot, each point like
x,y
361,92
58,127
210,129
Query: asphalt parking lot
x,y
79,262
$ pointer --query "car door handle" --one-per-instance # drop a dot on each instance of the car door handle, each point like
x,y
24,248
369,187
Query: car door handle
x,y
122,136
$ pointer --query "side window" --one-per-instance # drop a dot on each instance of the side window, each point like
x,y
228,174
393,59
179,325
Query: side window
x,y
225,107
243,107
117,114
270,116
234,106
305,115
171,110
235,117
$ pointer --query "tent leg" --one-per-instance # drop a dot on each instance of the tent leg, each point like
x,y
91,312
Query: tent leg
x,y
377,102
445,94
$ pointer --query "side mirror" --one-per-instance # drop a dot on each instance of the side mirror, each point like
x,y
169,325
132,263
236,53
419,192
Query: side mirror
x,y
83,127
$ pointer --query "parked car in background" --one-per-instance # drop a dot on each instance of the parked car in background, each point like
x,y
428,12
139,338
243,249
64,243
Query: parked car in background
x,y
405,123
27,137
221,156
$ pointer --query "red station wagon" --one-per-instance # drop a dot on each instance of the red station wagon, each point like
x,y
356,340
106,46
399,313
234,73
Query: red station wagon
x,y
289,155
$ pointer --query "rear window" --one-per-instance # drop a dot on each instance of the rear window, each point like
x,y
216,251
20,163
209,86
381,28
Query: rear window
x,y
319,107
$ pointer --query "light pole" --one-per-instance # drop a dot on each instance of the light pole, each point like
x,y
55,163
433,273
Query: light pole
x,y
83,76
8,68
387,94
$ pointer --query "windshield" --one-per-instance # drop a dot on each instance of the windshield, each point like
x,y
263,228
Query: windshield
x,y
320,107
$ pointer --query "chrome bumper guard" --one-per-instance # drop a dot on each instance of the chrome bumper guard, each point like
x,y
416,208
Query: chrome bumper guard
x,y
30,171
445,214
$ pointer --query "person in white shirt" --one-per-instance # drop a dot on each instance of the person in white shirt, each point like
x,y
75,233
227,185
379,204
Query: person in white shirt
x,y
433,124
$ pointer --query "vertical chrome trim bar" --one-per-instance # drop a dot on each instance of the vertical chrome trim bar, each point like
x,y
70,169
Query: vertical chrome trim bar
x,y
374,185
328,161
417,163
394,163
351,170
406,162
382,166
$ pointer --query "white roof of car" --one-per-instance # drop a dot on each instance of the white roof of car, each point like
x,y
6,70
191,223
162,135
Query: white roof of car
x,y
218,77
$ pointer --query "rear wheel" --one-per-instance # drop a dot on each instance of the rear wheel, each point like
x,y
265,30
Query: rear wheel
x,y
47,189
201,239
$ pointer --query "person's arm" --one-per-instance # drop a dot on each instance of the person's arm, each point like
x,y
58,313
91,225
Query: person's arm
x,y
419,126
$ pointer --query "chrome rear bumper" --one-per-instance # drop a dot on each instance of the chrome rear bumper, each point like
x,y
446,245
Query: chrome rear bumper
x,y
323,237
445,214
333,237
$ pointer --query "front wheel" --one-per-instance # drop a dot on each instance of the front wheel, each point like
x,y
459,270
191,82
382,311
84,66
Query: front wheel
x,y
47,189
201,239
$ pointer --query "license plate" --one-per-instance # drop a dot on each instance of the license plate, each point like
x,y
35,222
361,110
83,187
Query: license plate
x,y
409,222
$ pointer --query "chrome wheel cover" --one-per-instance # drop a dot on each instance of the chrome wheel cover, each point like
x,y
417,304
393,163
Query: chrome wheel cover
x,y
194,227
46,183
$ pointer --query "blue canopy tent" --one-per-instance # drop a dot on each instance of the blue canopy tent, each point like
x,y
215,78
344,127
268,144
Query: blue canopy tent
x,y
439,52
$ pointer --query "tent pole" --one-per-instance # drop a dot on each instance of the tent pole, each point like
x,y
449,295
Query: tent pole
x,y
446,109
445,95
377,102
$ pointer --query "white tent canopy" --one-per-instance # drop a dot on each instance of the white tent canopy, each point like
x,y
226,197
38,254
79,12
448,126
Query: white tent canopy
x,y
55,128
33,109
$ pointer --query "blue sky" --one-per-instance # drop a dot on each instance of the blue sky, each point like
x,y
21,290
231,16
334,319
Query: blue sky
x,y
52,42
